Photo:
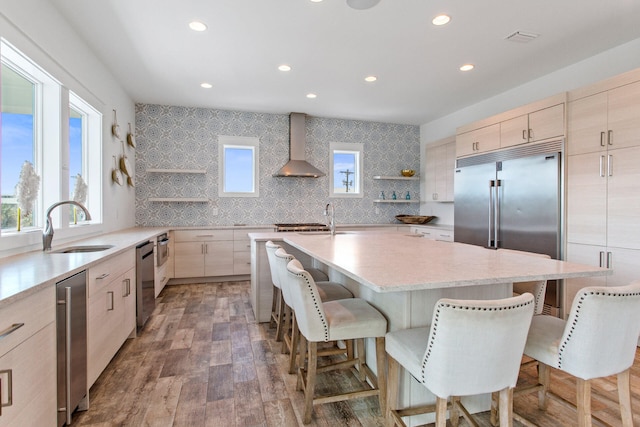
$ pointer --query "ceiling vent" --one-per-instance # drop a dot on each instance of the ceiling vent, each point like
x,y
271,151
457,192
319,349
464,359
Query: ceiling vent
x,y
521,37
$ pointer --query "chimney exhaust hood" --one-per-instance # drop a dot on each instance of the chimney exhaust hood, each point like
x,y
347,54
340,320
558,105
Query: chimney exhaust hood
x,y
297,166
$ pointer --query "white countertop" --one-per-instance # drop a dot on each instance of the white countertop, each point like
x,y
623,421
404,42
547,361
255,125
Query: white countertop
x,y
24,274
392,262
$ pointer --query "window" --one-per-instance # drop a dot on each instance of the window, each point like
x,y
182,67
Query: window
x,y
346,170
55,142
238,170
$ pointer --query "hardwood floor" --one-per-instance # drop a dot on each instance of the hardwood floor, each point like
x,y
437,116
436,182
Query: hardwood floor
x,y
202,360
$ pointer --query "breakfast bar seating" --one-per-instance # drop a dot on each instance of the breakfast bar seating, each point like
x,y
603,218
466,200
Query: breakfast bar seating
x,y
597,340
346,319
471,347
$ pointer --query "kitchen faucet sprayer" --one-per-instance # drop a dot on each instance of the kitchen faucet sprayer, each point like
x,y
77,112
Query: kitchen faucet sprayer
x,y
330,212
47,235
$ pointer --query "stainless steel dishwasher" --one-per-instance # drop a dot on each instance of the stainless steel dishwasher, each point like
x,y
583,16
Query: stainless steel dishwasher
x,y
145,272
71,326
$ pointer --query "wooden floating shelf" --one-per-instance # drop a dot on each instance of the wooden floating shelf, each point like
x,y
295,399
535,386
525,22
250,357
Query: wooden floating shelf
x,y
178,199
199,171
396,201
401,178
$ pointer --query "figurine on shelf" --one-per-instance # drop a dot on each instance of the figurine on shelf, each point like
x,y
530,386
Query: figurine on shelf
x,y
382,195
408,196
393,196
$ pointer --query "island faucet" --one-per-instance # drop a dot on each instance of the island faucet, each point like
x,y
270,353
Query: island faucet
x,y
47,235
330,212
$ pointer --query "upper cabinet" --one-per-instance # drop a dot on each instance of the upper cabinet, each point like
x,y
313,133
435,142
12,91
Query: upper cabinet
x,y
605,120
439,170
535,122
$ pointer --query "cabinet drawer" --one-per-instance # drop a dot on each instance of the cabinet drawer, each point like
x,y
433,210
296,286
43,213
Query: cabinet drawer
x,y
202,235
34,311
102,274
242,246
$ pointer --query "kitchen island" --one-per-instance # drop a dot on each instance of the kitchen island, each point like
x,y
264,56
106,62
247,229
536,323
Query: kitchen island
x,y
403,276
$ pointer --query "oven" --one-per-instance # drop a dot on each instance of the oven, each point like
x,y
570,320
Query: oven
x,y
301,227
162,248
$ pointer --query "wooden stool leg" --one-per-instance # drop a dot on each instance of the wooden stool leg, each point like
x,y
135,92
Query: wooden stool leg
x,y
441,412
381,367
311,381
273,321
624,396
583,397
454,414
392,391
301,364
361,359
506,407
279,314
293,351
286,327
494,409
543,378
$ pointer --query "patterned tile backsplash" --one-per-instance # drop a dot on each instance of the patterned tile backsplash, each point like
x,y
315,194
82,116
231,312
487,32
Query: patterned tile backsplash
x,y
170,137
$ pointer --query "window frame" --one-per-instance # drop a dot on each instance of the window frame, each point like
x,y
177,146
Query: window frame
x,y
358,150
51,153
244,142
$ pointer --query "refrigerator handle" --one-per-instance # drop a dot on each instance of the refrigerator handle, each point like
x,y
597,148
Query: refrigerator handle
x,y
67,343
490,227
496,217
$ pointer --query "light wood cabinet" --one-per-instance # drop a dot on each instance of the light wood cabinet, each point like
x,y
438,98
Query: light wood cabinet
x,y
478,140
535,126
439,171
203,253
433,233
28,361
242,249
111,312
605,120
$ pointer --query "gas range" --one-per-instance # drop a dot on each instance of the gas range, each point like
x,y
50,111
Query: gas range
x,y
302,227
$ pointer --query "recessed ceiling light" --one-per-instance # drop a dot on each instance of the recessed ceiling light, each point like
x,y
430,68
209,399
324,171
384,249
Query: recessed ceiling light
x,y
206,85
441,20
467,67
370,79
197,26
311,95
316,1
284,67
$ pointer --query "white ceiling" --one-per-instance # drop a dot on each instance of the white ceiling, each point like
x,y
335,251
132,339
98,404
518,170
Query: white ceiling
x,y
331,48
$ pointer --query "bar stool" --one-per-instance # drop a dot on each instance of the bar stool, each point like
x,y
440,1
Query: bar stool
x,y
597,340
471,348
277,302
538,288
328,291
346,319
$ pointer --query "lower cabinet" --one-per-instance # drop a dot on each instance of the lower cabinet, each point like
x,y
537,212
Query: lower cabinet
x,y
28,362
433,233
242,249
111,315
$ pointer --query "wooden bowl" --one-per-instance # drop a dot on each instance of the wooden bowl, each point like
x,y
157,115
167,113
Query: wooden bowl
x,y
414,219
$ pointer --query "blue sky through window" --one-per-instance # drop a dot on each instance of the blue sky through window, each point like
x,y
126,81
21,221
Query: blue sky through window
x,y
17,146
238,170
343,162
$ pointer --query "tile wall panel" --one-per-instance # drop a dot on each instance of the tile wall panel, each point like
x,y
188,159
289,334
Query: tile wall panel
x,y
172,137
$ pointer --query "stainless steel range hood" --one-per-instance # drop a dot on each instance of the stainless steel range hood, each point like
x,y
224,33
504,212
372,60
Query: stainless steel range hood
x,y
297,166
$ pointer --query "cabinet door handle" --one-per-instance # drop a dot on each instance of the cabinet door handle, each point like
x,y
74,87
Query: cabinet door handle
x,y
524,134
102,276
602,166
609,260
610,137
9,374
202,248
204,235
110,301
601,259
67,343
126,287
11,329
602,139
610,165
530,134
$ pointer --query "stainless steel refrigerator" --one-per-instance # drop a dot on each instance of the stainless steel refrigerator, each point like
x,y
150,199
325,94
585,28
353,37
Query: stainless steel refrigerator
x,y
512,199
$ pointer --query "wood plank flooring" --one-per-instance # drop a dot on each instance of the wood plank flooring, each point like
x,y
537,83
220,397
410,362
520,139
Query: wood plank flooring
x,y
202,360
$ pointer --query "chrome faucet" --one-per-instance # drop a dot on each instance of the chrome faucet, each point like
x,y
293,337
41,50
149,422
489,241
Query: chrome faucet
x,y
330,212
47,235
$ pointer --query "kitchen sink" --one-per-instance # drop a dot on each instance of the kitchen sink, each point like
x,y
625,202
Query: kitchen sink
x,y
82,249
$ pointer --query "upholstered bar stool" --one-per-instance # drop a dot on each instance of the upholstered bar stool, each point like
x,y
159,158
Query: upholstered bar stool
x,y
538,288
597,340
328,291
277,302
470,348
346,319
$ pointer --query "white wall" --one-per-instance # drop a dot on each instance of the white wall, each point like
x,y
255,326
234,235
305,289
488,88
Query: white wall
x,y
610,63
37,29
